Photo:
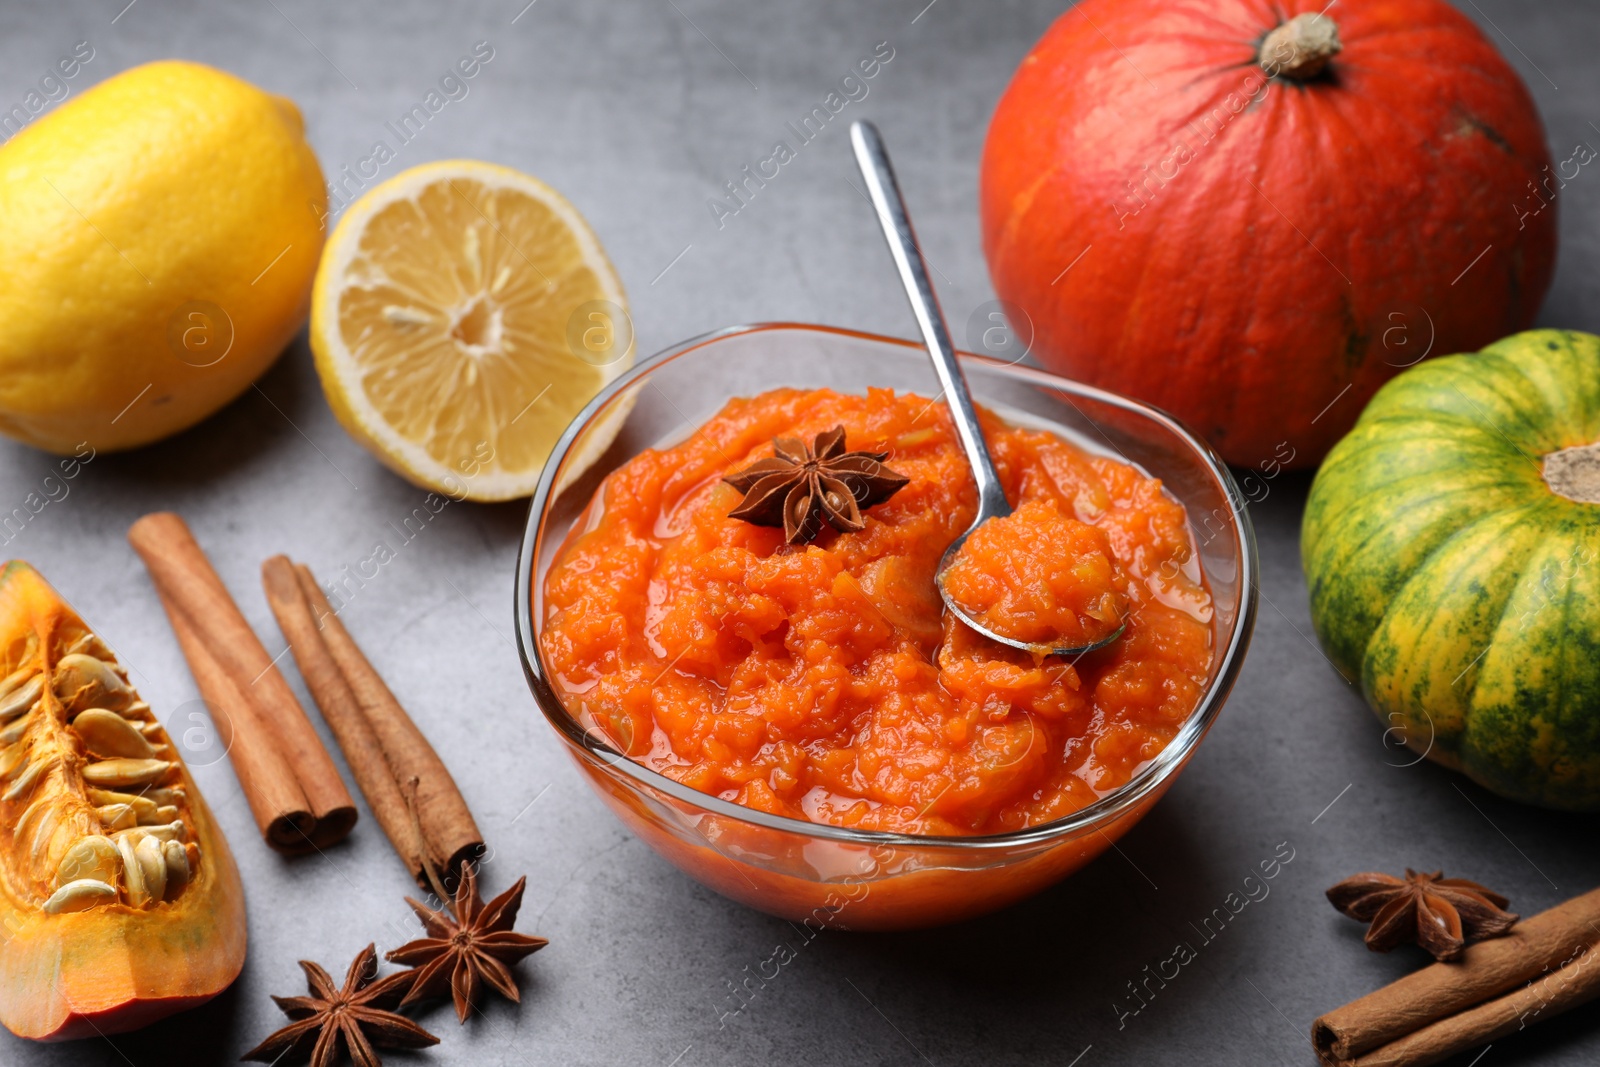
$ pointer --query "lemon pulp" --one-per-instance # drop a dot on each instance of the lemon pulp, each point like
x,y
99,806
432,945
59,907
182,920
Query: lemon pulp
x,y
464,314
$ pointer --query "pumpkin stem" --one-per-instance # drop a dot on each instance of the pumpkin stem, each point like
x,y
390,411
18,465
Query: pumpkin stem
x,y
1300,48
1574,473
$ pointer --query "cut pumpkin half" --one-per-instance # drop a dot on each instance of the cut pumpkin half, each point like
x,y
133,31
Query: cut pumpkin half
x,y
119,901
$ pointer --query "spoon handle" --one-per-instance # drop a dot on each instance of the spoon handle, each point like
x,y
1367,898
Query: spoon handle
x,y
873,159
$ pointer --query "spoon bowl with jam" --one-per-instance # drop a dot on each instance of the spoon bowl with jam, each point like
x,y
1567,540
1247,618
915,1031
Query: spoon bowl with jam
x,y
1033,579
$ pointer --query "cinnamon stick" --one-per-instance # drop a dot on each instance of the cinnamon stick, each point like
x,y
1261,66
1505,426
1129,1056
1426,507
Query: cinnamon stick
x,y
276,800
341,711
440,833
288,775
1561,990
1467,1000
447,825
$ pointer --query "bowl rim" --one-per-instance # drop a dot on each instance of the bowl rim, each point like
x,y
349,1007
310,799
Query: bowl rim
x,y
1149,779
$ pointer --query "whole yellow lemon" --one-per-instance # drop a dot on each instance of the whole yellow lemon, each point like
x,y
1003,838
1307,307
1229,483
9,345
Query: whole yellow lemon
x,y
158,239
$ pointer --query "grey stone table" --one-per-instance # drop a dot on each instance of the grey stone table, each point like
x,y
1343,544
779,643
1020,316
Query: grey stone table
x,y
640,111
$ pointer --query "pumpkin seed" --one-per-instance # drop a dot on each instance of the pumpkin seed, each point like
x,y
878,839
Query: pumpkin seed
x,y
107,734
81,895
83,681
33,811
12,760
14,679
177,860
132,871
21,700
117,816
28,779
49,822
125,772
94,857
152,866
92,645
171,831
165,813
15,730
143,807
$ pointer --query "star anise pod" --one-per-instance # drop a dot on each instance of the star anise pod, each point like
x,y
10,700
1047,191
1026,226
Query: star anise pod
x,y
356,1016
799,487
1440,914
473,947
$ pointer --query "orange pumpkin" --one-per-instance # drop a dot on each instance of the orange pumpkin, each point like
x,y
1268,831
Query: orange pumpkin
x,y
119,900
1254,212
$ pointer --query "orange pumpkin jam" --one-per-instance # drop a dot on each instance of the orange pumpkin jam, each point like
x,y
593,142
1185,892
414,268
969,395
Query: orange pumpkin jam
x,y
1040,577
825,681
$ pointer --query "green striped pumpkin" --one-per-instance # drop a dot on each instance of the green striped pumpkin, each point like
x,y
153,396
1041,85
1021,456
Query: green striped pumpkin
x,y
1452,548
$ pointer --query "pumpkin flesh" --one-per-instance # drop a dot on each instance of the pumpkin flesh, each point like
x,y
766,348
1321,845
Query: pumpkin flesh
x,y
122,964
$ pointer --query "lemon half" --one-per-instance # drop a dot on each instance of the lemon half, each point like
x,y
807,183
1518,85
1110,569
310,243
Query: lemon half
x,y
463,313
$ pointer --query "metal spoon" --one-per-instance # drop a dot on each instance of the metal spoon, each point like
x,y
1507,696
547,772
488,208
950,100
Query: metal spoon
x,y
873,159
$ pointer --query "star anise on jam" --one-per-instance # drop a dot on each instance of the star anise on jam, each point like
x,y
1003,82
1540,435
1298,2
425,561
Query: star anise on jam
x,y
1440,914
355,1016
800,487
469,949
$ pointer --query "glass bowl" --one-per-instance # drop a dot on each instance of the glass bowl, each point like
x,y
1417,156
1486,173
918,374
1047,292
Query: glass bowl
x,y
831,876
